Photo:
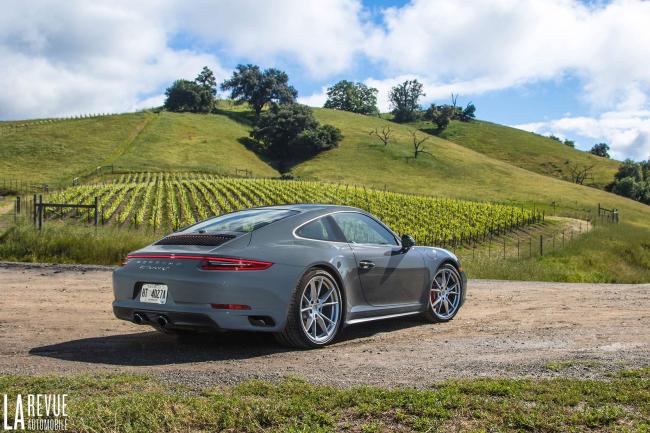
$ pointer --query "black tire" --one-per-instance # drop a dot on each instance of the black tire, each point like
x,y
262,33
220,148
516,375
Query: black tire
x,y
430,315
293,334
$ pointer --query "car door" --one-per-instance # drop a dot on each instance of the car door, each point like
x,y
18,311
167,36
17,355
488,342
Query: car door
x,y
388,276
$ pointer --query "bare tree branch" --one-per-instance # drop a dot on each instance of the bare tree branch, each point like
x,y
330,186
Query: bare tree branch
x,y
579,173
418,144
384,135
454,99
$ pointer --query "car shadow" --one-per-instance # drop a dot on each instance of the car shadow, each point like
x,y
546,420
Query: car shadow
x,y
153,348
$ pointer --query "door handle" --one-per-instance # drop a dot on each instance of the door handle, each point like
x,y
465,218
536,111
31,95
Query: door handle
x,y
366,264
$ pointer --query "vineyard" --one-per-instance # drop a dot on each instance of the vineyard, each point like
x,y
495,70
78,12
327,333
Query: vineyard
x,y
168,201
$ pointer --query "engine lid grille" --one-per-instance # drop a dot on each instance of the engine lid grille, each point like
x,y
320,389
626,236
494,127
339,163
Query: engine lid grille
x,y
211,240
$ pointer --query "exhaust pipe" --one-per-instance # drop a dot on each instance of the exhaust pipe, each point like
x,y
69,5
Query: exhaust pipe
x,y
162,321
138,319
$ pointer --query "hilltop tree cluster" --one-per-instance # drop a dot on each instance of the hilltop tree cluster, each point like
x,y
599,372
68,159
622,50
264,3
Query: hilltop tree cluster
x,y
600,149
249,84
405,100
196,96
632,180
353,97
287,131
441,115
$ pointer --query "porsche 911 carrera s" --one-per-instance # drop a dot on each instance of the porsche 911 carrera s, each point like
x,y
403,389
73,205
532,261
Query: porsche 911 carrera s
x,y
301,272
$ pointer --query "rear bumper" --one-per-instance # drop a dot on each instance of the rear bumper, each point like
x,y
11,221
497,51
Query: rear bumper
x,y
175,319
200,319
191,293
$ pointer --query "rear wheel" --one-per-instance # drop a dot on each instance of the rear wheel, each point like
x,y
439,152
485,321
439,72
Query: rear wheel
x,y
444,295
315,311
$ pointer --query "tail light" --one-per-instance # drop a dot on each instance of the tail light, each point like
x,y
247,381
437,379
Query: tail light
x,y
209,263
230,307
228,264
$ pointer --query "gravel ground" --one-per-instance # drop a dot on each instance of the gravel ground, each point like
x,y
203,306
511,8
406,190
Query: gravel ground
x,y
57,319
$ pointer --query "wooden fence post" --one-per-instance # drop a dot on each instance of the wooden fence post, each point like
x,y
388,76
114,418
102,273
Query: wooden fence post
x,y
541,245
517,247
96,209
40,211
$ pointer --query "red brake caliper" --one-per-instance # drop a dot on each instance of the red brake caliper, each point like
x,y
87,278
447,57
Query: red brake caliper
x,y
433,293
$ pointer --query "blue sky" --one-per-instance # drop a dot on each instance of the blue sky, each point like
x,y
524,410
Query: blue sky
x,y
574,69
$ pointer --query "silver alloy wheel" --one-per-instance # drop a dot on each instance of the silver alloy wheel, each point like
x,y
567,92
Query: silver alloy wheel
x,y
320,309
445,293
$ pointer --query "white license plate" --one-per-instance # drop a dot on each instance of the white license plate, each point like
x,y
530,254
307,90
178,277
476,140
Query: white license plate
x,y
153,293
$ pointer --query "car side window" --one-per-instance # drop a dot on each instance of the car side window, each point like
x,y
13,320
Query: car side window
x,y
361,229
319,229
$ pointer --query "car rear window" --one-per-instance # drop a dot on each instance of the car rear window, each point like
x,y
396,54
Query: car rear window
x,y
243,221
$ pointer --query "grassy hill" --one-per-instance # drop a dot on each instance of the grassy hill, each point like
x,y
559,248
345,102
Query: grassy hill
x,y
526,150
58,151
451,169
61,150
170,141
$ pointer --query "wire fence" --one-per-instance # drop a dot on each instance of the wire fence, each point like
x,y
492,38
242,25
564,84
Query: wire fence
x,y
532,242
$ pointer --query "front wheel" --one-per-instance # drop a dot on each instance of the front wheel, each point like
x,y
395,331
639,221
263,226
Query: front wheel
x,y
444,295
315,312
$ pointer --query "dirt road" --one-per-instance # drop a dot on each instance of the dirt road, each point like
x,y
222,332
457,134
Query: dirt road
x,y
58,320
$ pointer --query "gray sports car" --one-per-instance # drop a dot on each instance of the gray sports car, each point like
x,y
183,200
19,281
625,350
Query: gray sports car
x,y
299,271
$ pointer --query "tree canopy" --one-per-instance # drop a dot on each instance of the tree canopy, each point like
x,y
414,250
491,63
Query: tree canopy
x,y
194,96
404,99
183,95
441,115
258,88
290,132
632,180
354,97
600,149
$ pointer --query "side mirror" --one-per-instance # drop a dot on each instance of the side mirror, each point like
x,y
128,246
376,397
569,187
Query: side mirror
x,y
407,243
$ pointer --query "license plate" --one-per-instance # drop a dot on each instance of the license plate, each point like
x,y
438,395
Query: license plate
x,y
153,293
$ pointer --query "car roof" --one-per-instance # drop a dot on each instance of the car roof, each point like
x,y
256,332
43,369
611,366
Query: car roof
x,y
304,207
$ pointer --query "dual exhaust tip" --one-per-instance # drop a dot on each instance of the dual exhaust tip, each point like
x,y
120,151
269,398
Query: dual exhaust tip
x,y
139,319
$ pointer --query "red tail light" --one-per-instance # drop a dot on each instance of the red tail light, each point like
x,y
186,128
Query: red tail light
x,y
230,306
209,263
227,264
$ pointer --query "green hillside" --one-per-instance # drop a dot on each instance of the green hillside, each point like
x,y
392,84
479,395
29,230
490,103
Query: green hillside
x,y
527,150
60,150
451,170
56,152
187,141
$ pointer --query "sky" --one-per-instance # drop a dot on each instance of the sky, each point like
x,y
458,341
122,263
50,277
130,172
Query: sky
x,y
575,69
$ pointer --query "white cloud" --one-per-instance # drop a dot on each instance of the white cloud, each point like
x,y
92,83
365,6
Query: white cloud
x,y
627,132
315,99
77,57
497,44
323,37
